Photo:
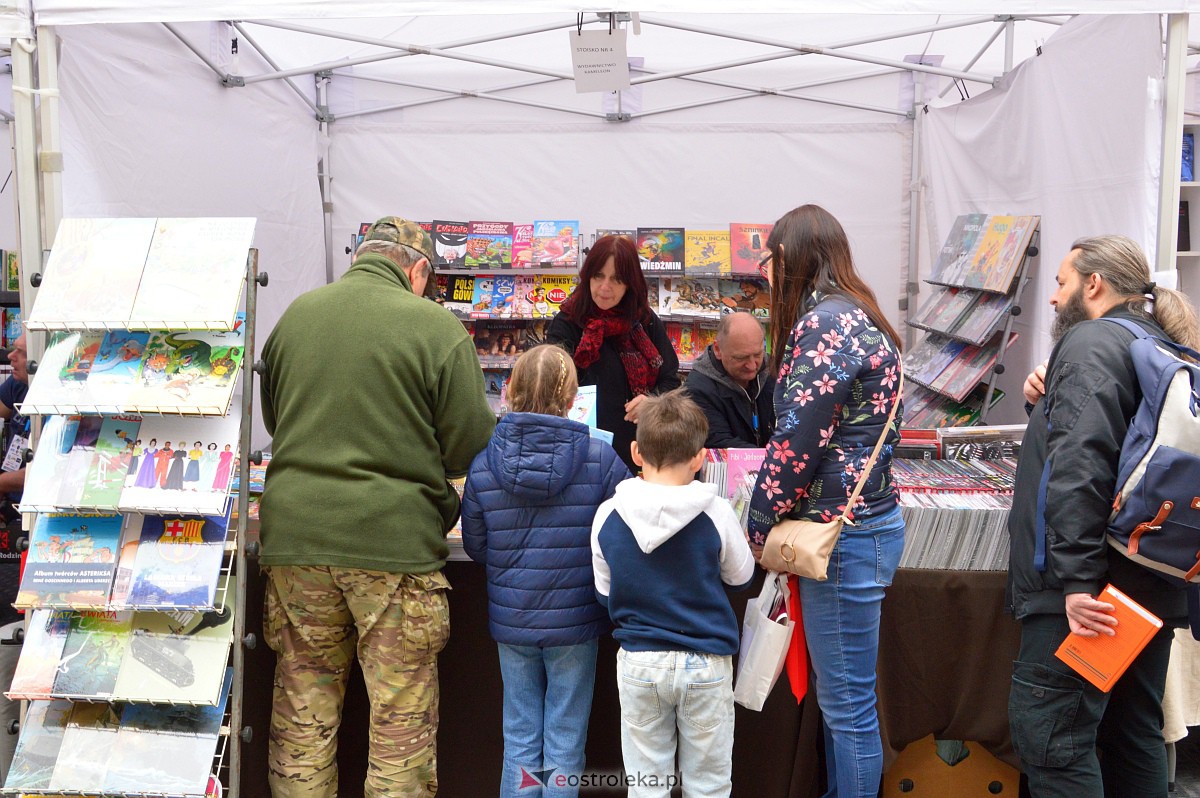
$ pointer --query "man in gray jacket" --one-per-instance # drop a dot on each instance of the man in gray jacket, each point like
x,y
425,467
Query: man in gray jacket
x,y
731,383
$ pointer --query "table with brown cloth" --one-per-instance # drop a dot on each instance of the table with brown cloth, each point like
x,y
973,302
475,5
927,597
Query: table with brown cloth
x,y
776,752
946,649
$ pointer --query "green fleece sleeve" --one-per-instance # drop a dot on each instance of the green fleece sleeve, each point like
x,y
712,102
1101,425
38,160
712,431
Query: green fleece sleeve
x,y
461,416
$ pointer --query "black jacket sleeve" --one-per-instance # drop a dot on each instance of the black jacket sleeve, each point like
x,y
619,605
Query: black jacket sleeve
x,y
668,373
1092,394
707,395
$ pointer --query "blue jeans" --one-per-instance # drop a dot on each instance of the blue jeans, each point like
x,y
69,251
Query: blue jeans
x,y
547,703
841,626
673,699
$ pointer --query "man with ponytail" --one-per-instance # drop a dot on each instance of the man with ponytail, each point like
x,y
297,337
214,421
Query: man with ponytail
x,y
1074,740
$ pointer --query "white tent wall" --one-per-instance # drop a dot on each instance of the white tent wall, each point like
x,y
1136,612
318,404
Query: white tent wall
x,y
147,130
648,174
1073,136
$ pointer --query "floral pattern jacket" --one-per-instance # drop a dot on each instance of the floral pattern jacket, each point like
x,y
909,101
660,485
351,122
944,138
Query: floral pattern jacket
x,y
837,381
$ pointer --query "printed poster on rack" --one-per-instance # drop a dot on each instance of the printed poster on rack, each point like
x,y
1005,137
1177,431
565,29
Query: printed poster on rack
x,y
195,270
178,560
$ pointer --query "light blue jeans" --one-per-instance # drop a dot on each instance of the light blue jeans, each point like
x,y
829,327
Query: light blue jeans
x,y
547,703
676,699
841,626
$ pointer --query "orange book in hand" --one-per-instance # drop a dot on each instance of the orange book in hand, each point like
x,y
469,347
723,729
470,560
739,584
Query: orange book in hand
x,y
1102,659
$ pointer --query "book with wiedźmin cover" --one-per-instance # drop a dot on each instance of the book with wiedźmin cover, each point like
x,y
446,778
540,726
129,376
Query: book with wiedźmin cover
x,y
1102,659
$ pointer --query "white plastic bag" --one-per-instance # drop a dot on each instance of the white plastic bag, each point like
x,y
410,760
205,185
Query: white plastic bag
x,y
765,641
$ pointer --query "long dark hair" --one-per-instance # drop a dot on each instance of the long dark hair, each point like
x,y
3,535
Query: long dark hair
x,y
811,253
635,306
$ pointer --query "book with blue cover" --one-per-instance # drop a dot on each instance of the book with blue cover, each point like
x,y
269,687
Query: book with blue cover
x,y
71,561
178,560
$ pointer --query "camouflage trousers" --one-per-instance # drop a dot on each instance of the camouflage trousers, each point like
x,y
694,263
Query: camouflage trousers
x,y
317,620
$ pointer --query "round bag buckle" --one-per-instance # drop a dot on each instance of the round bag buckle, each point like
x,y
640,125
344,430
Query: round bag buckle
x,y
787,552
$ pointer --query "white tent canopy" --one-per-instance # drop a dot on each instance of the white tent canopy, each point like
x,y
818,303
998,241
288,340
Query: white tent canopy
x,y
733,117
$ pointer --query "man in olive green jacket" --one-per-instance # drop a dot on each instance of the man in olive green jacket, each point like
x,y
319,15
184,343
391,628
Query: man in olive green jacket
x,y
373,397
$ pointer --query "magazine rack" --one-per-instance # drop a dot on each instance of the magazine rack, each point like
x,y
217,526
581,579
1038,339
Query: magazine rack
x,y
980,276
81,733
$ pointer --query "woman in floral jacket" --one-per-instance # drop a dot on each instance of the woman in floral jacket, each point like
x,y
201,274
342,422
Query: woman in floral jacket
x,y
838,361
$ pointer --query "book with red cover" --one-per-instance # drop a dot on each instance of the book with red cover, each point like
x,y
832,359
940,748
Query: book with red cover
x,y
1103,658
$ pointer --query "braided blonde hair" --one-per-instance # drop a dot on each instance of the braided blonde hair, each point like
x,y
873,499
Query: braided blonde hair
x,y
543,381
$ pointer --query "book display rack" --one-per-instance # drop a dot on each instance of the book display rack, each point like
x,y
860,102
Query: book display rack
x,y
134,586
978,279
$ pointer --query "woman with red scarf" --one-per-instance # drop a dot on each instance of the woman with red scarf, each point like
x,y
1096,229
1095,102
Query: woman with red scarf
x,y
617,342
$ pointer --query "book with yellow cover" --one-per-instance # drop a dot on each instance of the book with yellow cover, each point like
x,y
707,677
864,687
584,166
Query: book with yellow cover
x,y
1102,659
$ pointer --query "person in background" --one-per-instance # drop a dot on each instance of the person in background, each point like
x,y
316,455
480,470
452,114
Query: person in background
x,y
1074,740
374,397
12,482
531,526
838,361
663,548
733,386
616,340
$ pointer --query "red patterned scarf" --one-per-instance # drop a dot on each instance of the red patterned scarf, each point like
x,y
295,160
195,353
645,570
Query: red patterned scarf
x,y
639,356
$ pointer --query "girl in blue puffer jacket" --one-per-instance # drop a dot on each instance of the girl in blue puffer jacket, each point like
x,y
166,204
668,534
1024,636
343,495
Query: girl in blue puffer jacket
x,y
527,515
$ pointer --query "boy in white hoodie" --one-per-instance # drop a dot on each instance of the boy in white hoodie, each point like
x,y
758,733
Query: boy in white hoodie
x,y
662,549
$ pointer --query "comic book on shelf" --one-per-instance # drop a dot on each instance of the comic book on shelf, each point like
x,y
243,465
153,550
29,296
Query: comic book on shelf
x,y
747,246
169,746
551,292
12,275
703,335
524,293
114,451
194,273
182,465
535,332
689,296
945,309
38,747
54,478
740,463
706,253
747,293
504,296
91,658
555,243
117,365
984,317
996,255
450,243
71,560
969,368
178,560
481,299
930,358
489,245
621,232
176,656
460,292
522,246
180,372
93,272
499,338
41,654
927,409
89,741
955,254
660,249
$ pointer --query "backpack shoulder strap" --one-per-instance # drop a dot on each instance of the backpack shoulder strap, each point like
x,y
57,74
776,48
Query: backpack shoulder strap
x,y
1135,328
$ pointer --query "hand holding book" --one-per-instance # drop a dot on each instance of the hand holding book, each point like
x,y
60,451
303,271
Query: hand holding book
x,y
1102,658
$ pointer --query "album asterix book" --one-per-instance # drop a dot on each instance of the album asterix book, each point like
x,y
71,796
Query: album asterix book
x,y
71,561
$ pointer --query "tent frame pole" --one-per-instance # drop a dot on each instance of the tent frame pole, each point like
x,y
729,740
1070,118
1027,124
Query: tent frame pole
x,y
1172,142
